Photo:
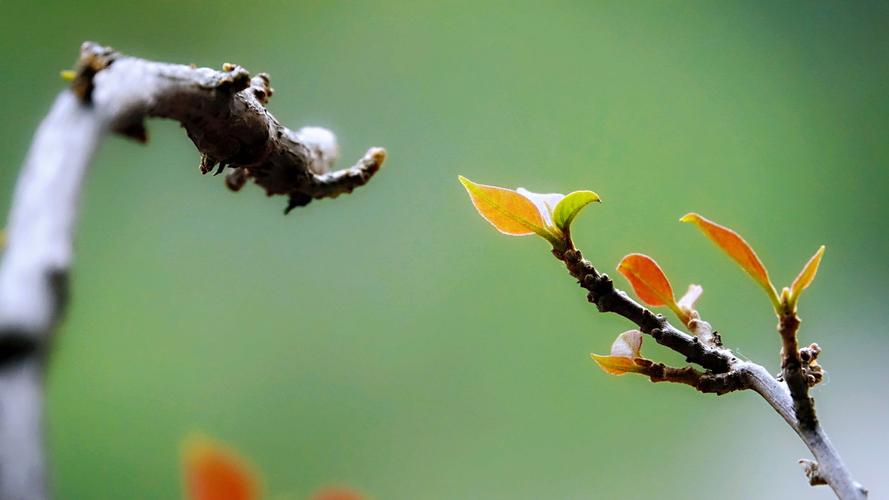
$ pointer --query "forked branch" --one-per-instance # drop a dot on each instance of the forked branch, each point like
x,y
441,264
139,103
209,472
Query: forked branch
x,y
724,372
520,212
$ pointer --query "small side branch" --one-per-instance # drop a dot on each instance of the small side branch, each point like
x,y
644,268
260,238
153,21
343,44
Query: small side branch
x,y
607,298
726,373
702,381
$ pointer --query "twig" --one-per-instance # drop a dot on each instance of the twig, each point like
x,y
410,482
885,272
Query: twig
x,y
223,113
726,373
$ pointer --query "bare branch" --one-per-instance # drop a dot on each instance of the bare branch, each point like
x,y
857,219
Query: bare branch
x,y
706,382
224,114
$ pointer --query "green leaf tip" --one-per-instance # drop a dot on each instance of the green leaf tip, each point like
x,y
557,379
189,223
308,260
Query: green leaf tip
x,y
571,205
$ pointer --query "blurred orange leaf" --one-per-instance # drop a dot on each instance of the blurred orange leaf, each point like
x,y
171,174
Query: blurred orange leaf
x,y
805,277
739,250
507,210
215,472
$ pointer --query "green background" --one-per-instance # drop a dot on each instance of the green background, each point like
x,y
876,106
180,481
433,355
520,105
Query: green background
x,y
391,340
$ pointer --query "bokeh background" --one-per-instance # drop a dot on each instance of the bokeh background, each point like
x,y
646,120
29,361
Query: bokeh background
x,y
392,340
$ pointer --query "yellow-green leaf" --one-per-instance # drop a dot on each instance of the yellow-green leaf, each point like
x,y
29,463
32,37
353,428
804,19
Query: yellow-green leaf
x,y
508,211
805,277
739,250
568,208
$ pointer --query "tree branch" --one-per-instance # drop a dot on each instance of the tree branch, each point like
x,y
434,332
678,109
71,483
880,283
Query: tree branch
x,y
224,114
726,373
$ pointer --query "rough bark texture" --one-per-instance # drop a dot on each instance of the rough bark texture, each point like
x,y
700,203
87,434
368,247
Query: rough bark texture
x,y
223,113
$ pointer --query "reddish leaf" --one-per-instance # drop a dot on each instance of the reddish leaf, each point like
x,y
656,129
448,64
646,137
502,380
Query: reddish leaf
x,y
215,472
739,250
647,279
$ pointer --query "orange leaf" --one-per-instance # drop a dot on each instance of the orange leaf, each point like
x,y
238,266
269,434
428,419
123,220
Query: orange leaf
x,y
739,250
617,365
215,472
647,279
507,210
805,277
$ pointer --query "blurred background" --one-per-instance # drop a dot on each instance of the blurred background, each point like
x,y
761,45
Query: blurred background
x,y
391,339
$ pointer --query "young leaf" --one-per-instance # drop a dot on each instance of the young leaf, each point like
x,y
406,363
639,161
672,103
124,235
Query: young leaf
x,y
805,277
624,357
628,344
647,279
545,203
568,208
507,210
687,302
739,250
617,365
215,472
649,282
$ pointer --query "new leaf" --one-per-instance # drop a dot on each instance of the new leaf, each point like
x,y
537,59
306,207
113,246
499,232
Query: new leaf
x,y
520,212
508,211
805,277
739,250
648,280
625,355
571,205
